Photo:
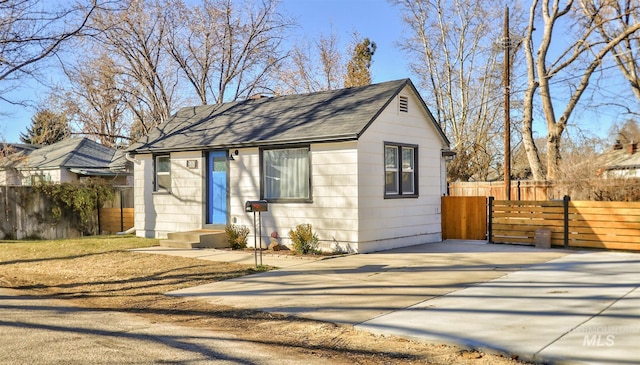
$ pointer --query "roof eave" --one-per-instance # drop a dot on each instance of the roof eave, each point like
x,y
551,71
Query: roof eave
x,y
321,139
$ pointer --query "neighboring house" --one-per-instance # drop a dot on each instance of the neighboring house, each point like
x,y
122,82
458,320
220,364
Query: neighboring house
x,y
64,161
621,161
364,166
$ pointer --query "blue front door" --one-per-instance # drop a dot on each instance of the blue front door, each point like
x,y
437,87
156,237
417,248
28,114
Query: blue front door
x,y
217,194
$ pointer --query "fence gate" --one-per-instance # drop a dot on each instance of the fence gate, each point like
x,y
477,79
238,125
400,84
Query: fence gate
x,y
464,217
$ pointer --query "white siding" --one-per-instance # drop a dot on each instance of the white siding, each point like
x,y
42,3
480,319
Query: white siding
x,y
388,223
157,213
334,211
63,175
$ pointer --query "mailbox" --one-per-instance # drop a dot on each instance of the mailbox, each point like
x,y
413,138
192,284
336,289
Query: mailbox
x,y
256,206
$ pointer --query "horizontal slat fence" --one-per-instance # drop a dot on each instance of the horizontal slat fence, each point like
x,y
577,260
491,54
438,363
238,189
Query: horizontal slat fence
x,y
113,220
612,225
589,224
517,221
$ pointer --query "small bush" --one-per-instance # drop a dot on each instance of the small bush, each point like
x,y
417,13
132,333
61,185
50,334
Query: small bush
x,y
236,236
304,240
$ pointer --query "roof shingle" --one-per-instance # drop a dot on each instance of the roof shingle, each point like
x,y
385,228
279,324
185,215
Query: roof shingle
x,y
322,116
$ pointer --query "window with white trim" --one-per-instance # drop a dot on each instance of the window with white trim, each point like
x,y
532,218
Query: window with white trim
x,y
286,174
163,173
401,178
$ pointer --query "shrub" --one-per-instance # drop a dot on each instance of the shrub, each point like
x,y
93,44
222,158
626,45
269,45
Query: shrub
x,y
236,236
304,240
79,199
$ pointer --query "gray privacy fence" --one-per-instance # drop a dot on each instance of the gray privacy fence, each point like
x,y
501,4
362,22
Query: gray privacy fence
x,y
26,214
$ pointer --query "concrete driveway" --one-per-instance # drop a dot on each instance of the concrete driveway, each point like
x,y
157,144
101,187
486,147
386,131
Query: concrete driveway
x,y
543,305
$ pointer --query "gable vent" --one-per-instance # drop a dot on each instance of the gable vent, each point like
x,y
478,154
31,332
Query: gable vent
x,y
403,104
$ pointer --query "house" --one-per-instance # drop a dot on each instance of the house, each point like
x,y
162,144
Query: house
x,y
365,166
620,162
69,160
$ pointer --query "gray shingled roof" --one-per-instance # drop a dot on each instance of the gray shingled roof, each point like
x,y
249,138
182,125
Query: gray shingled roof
x,y
70,153
620,160
316,117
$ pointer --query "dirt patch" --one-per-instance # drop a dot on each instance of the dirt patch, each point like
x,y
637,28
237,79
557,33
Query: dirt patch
x,y
99,277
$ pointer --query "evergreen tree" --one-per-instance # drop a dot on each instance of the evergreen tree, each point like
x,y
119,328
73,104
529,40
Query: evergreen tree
x,y
46,128
358,73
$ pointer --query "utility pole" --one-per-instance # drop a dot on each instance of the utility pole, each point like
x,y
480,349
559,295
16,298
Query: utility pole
x,y
507,107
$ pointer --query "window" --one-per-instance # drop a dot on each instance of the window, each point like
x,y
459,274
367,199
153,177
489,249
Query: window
x,y
401,178
286,174
36,179
163,173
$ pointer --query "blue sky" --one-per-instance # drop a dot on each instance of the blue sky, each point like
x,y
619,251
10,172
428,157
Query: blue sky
x,y
375,19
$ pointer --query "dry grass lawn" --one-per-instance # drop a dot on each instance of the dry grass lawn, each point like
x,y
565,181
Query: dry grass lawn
x,y
101,273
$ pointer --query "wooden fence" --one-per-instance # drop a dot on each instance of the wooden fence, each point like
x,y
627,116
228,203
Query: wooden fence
x,y
117,216
464,217
24,214
609,225
113,220
597,189
520,190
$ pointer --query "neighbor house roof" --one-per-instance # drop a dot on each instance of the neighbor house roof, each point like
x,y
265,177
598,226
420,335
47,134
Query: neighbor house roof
x,y
622,158
335,115
80,155
19,147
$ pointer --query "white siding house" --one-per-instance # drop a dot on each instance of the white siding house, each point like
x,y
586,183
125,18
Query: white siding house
x,y
364,166
69,160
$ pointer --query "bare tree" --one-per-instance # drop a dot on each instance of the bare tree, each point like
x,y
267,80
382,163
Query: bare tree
x,y
96,101
31,31
453,45
227,49
193,44
625,133
612,17
573,66
135,38
312,66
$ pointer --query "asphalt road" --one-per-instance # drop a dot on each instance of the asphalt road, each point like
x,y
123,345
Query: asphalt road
x,y
37,331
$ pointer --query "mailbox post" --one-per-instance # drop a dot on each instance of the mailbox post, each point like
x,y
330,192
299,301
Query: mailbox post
x,y
256,206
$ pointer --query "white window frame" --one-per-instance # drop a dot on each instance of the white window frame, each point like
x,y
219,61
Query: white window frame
x,y
158,173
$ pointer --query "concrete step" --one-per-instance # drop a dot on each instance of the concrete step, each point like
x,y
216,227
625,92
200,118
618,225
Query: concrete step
x,y
214,240
190,236
196,239
177,244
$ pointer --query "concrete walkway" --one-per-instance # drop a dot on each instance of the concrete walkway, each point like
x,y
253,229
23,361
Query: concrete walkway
x,y
238,257
543,305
